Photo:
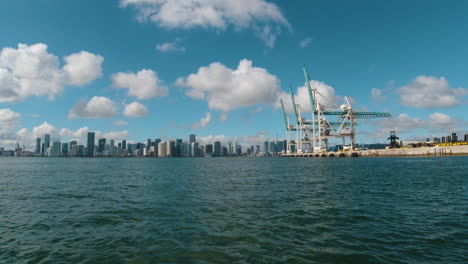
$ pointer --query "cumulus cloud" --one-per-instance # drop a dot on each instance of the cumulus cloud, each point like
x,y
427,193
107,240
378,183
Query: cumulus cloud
x,y
377,94
264,18
431,92
437,123
325,96
8,122
305,42
97,107
203,122
227,89
144,84
170,46
115,135
82,68
135,109
223,117
120,123
33,71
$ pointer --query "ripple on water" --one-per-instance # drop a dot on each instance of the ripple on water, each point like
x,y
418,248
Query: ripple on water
x,y
238,210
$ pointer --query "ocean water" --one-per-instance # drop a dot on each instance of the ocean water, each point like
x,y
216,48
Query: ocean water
x,y
234,210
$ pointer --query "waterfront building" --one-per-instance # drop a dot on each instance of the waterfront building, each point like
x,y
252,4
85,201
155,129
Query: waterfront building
x,y
156,145
42,148
178,146
265,147
192,138
64,149
225,151
194,149
217,151
38,146
112,143
272,147
466,138
46,142
230,149
101,144
209,149
148,144
185,149
55,149
90,145
454,137
162,149
73,143
124,144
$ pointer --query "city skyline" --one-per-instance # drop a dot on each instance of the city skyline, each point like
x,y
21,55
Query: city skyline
x,y
67,68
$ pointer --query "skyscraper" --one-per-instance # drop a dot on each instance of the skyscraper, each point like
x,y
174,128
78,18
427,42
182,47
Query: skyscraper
x,y
38,145
124,144
90,145
218,151
64,149
162,149
192,138
46,142
101,144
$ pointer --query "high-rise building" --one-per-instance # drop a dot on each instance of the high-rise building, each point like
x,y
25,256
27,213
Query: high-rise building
x,y
124,144
192,138
162,149
265,147
230,149
73,143
101,145
46,142
42,148
178,146
272,147
466,138
64,149
90,145
454,137
148,144
209,149
55,150
218,151
170,148
38,146
112,143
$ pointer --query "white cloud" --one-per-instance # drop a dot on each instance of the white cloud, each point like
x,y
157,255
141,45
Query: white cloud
x,y
305,42
116,135
33,71
442,122
264,18
82,68
97,107
431,92
120,123
203,122
170,46
223,117
325,95
227,89
437,123
135,109
144,85
377,94
28,71
8,122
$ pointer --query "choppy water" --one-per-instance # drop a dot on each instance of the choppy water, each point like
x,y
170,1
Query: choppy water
x,y
234,210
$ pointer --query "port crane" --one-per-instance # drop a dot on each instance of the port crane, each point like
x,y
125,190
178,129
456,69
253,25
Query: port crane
x,y
312,136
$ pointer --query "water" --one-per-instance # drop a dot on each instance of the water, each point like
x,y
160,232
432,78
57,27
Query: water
x,y
234,210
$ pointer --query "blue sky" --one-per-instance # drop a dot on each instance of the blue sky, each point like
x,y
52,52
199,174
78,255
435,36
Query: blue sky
x,y
405,57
